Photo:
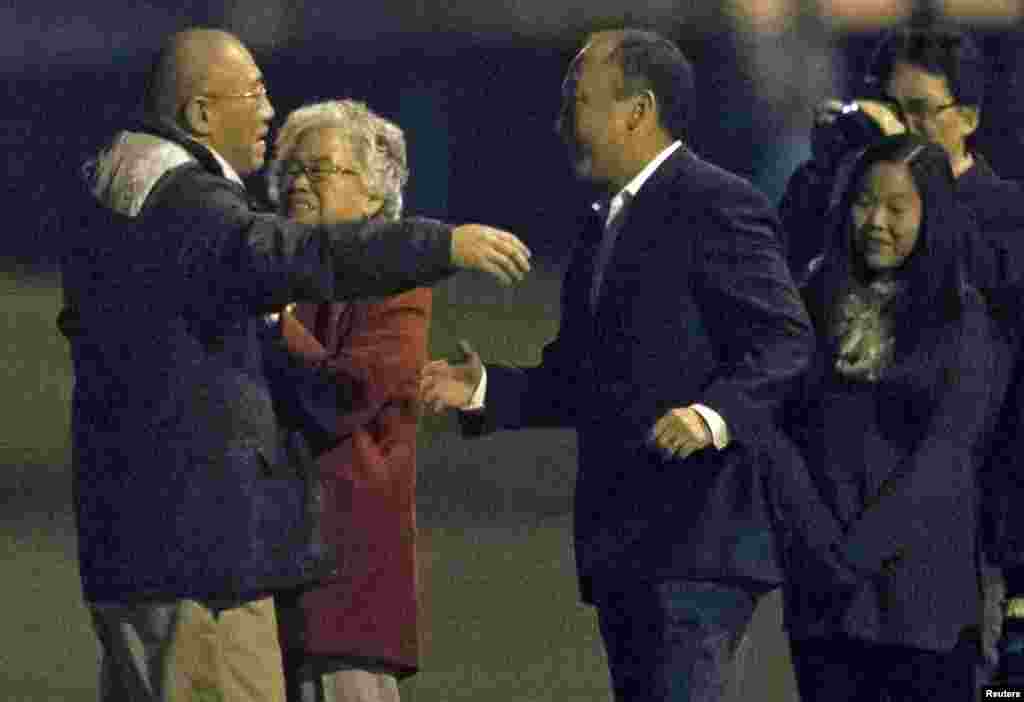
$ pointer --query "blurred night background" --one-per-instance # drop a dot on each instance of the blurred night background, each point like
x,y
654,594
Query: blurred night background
x,y
475,85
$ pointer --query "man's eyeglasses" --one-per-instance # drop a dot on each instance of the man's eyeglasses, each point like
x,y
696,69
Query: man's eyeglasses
x,y
919,109
317,172
258,92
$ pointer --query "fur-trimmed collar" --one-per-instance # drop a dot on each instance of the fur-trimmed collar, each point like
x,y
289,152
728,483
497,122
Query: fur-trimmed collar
x,y
864,332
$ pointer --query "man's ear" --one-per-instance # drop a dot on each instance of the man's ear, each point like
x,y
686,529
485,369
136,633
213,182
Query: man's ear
x,y
645,106
971,115
196,117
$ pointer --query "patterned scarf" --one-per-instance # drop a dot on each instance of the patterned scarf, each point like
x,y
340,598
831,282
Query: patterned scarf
x,y
864,331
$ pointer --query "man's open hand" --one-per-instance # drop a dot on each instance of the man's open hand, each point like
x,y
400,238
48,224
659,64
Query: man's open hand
x,y
445,385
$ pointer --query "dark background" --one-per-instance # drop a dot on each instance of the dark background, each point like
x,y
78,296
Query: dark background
x,y
476,87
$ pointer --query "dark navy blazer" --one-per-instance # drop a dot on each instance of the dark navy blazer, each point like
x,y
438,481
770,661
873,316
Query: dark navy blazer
x,y
697,306
880,530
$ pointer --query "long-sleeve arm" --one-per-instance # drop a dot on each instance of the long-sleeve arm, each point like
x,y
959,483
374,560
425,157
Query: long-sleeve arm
x,y
518,398
265,261
548,394
754,317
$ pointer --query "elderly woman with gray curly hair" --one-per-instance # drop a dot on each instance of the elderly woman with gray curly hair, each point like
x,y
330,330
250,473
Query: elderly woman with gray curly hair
x,y
353,636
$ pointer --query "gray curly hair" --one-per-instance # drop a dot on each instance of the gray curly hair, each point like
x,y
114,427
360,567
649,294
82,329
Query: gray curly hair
x,y
378,144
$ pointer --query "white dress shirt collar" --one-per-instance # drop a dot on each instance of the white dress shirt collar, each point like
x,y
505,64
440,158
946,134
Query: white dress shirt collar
x,y
633,187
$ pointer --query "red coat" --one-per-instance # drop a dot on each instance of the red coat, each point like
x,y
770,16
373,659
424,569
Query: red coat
x,y
374,351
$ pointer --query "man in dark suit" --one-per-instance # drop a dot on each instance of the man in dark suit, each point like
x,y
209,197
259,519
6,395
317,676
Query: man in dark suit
x,y
680,331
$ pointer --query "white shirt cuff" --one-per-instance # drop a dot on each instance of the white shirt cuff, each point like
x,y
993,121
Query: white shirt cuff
x,y
719,431
477,401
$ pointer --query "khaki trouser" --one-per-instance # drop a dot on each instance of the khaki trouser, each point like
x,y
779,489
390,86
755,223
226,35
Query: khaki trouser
x,y
349,685
187,652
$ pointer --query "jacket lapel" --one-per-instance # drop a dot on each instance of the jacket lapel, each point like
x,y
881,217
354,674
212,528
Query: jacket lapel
x,y
650,201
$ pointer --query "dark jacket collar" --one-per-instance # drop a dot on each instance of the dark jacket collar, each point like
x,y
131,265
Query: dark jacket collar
x,y
666,174
979,175
177,135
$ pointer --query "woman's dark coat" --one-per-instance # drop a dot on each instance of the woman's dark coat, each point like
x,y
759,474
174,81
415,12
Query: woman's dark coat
x,y
880,522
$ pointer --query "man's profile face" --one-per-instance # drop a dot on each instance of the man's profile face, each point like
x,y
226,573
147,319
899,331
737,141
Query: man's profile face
x,y
592,121
239,110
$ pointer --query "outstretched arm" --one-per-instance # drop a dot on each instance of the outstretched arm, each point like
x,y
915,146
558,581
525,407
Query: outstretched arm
x,y
264,261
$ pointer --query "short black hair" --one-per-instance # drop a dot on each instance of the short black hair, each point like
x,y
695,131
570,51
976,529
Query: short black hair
x,y
939,49
649,61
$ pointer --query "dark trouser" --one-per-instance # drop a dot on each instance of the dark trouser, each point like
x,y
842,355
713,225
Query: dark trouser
x,y
1011,658
674,641
841,669
136,641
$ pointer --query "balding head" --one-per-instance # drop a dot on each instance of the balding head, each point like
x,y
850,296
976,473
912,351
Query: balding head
x,y
184,68
206,83
650,62
624,100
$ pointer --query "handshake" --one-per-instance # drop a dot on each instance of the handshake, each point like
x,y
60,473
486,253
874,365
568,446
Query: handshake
x,y
446,385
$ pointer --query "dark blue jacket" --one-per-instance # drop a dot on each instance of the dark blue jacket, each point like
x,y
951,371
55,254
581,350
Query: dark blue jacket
x,y
187,482
697,306
996,263
880,525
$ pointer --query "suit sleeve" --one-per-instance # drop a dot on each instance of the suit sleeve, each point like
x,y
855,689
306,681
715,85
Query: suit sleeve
x,y
520,398
750,307
942,468
546,395
264,261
